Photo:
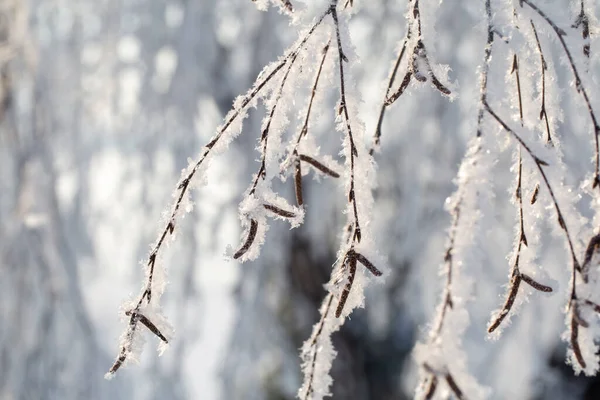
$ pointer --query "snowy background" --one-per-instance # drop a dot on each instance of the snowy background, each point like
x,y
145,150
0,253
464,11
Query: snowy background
x,y
102,103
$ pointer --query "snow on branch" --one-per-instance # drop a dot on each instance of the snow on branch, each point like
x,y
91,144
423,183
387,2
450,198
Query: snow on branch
x,y
269,204
322,61
418,67
346,284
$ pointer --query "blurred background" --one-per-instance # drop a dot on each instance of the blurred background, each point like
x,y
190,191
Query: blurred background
x,y
102,103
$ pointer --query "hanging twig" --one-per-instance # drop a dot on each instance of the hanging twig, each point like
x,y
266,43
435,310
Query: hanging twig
x,y
583,21
183,187
384,104
578,84
544,68
417,55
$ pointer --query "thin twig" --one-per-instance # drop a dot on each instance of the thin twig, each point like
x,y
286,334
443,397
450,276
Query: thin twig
x,y
353,152
377,135
583,21
572,304
543,111
417,53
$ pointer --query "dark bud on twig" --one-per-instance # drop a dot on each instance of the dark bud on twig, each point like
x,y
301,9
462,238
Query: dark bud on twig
x,y
515,282
561,222
448,255
535,284
279,211
319,166
591,249
119,361
298,183
575,342
524,239
152,328
449,301
439,86
249,239
539,161
454,387
579,318
431,387
596,181
171,227
368,265
288,5
534,196
148,324
183,183
390,100
351,262
357,234
595,306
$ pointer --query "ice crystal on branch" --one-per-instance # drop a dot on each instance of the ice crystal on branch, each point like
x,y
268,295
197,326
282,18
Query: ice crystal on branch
x,y
517,108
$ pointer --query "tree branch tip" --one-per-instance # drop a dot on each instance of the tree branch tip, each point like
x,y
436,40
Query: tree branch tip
x,y
279,211
535,284
249,240
539,161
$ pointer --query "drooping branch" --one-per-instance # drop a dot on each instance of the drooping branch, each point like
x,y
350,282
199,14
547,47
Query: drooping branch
x,y
343,110
516,276
264,138
184,186
418,60
297,158
384,104
345,269
544,68
573,303
560,33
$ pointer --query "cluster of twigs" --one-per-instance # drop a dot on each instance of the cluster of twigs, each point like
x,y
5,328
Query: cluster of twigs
x,y
347,267
517,277
418,60
574,302
135,315
282,71
418,67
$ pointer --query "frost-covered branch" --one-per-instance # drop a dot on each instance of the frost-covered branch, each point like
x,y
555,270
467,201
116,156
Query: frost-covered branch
x,y
148,300
419,66
317,353
543,69
560,34
576,321
583,21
